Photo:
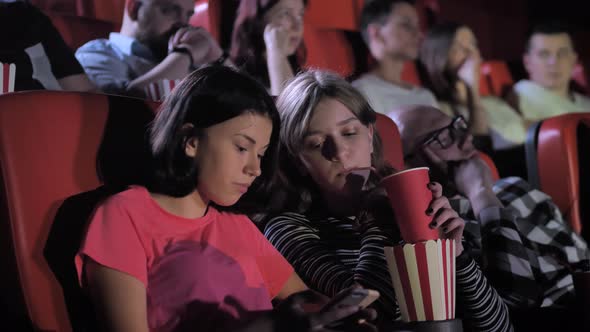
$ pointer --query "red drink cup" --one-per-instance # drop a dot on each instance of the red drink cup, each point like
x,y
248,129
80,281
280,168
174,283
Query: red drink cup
x,y
410,197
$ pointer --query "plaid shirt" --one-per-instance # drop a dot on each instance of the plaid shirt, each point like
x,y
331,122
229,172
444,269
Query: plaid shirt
x,y
526,248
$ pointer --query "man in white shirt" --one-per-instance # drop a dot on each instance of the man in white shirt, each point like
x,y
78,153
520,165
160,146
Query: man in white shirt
x,y
549,60
391,31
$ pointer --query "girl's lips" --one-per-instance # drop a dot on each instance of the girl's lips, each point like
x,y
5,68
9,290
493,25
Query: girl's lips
x,y
243,188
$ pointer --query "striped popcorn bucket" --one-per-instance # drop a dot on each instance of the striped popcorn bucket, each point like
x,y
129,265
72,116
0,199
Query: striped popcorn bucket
x,y
157,91
423,276
7,76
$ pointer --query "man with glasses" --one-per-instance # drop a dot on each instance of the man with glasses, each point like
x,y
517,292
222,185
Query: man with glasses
x,y
155,44
391,30
522,242
549,59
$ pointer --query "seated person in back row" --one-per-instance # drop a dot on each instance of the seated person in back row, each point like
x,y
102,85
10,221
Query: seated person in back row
x,y
267,40
41,57
549,60
154,44
537,246
391,30
450,65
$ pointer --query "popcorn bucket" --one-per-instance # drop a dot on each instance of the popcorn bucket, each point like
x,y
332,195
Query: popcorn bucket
x,y
423,276
7,76
157,91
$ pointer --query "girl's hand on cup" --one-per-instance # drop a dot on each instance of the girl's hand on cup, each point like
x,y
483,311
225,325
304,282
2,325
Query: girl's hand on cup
x,y
444,218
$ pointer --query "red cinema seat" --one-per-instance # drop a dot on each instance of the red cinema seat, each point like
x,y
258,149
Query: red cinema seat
x,y
76,30
106,10
491,165
328,49
391,140
495,78
48,150
333,14
579,76
410,74
562,164
208,15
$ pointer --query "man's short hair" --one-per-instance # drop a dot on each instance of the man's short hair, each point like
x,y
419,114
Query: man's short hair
x,y
552,27
377,11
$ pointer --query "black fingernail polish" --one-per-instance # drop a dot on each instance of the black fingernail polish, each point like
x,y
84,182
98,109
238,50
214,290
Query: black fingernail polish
x,y
429,211
432,224
444,229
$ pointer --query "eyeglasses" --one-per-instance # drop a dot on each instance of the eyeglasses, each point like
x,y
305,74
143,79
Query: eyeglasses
x,y
444,137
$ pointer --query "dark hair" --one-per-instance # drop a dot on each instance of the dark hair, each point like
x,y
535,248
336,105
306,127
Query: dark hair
x,y
432,66
552,27
377,11
206,97
296,104
247,42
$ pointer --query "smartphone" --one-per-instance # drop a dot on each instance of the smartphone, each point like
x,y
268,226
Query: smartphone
x,y
354,296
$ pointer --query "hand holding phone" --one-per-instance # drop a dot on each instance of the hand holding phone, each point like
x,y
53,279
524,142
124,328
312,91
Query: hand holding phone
x,y
353,296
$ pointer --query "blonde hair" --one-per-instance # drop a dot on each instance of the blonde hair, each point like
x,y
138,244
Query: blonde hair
x,y
296,105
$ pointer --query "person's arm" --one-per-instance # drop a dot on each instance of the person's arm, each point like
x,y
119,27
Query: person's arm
x,y
481,307
119,299
506,258
292,315
174,66
555,246
109,73
279,69
470,74
293,285
480,124
508,263
78,82
318,265
279,72
64,66
112,268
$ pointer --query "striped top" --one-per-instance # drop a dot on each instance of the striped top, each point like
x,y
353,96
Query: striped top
x,y
331,254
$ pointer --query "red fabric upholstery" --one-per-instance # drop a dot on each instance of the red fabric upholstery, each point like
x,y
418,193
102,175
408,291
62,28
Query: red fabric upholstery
x,y
491,165
579,76
495,78
392,142
334,14
557,162
77,30
48,147
208,15
410,74
328,49
107,10
48,142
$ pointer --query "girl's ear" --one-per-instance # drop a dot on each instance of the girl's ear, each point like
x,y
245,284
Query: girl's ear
x,y
374,33
190,142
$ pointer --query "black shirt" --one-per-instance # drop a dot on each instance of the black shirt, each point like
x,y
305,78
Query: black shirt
x,y
30,41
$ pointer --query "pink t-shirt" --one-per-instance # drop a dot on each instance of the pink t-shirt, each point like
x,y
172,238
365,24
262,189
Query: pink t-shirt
x,y
208,272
